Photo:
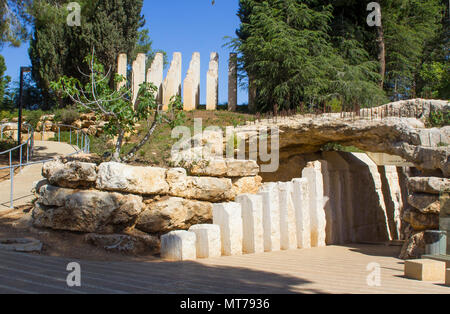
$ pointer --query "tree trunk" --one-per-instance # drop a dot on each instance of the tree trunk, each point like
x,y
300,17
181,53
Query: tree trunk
x,y
136,148
381,53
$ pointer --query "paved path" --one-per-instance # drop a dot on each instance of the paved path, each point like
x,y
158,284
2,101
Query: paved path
x,y
332,269
29,174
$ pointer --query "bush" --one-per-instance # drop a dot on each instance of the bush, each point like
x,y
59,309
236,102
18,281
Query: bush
x,y
67,116
33,117
438,119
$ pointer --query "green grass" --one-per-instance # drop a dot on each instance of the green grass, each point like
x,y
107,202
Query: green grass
x,y
336,147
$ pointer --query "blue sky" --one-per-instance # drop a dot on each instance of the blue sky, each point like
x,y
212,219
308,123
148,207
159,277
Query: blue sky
x,y
186,26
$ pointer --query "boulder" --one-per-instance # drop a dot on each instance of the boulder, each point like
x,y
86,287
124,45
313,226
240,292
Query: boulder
x,y
425,203
173,213
73,174
241,168
431,185
200,188
85,211
113,176
420,221
414,246
246,185
224,168
124,243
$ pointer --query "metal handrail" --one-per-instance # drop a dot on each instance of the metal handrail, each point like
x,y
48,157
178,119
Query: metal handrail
x,y
83,140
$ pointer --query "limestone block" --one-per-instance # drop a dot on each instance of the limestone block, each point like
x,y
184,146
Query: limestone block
x,y
246,185
252,222
179,246
172,82
173,213
155,75
317,213
191,90
70,175
425,270
122,69
229,217
271,219
232,82
138,75
425,203
241,168
447,277
208,240
85,210
288,230
212,82
431,185
114,176
300,196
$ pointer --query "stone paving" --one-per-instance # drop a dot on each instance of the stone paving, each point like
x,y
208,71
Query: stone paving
x,y
332,269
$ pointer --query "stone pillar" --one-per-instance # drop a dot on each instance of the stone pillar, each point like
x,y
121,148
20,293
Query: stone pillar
x,y
172,82
271,218
251,95
178,246
191,90
229,217
208,240
300,197
288,231
252,220
313,174
122,69
232,82
212,82
155,75
138,73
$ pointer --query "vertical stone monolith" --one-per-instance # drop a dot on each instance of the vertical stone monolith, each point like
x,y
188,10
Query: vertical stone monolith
x,y
155,75
229,217
288,230
138,75
191,90
232,82
313,174
208,240
271,217
178,246
300,197
122,69
212,82
172,82
252,220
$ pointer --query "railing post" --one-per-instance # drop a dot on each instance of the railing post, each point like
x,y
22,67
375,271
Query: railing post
x,y
11,180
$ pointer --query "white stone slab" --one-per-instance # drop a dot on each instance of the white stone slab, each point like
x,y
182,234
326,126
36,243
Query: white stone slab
x,y
212,82
252,220
178,246
138,75
208,240
172,82
300,197
271,219
288,230
229,217
155,75
318,219
122,69
191,90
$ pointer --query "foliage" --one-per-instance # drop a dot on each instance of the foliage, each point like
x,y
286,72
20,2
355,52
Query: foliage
x,y
4,80
438,119
115,106
337,147
67,115
13,21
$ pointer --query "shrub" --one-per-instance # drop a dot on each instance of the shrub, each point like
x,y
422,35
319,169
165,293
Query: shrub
x,y
438,119
67,115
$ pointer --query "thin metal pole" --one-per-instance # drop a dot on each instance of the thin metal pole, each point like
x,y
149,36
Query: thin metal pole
x,y
11,179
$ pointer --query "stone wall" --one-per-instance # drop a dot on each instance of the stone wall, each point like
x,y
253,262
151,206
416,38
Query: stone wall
x,y
112,198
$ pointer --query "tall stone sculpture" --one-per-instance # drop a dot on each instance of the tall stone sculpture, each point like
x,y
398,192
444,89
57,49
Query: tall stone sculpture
x,y
122,69
172,82
212,82
155,75
138,75
232,82
191,90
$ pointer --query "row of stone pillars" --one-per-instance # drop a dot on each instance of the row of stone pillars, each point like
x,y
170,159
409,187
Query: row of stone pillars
x,y
172,85
283,216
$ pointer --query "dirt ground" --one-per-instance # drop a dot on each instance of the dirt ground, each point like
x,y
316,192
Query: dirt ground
x,y
15,224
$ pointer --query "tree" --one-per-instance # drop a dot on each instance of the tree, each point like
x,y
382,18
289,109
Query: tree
x,y
287,48
109,26
13,18
4,80
115,106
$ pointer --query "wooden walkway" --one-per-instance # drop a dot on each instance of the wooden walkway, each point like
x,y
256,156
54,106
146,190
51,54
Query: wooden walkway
x,y
332,269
